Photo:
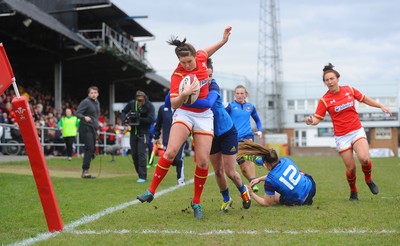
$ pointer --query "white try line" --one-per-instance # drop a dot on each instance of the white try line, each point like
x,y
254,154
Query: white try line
x,y
89,218
353,231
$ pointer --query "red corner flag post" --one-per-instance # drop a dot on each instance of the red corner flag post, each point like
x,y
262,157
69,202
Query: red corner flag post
x,y
32,146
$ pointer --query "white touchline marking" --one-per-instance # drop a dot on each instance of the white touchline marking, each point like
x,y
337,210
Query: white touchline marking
x,y
390,197
91,232
230,232
89,218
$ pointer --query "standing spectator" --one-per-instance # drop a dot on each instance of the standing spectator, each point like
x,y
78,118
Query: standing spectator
x,y
10,119
69,126
285,184
162,127
139,114
107,138
23,92
37,112
143,51
109,132
53,135
189,120
120,131
88,113
36,115
350,136
240,111
2,104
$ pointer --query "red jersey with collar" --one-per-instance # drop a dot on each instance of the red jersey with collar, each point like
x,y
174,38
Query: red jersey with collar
x,y
201,73
340,107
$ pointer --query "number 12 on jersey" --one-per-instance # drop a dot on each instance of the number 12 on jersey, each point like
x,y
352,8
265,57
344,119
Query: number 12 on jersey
x,y
288,177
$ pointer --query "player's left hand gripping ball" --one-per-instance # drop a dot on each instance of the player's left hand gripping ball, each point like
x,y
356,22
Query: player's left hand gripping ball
x,y
187,81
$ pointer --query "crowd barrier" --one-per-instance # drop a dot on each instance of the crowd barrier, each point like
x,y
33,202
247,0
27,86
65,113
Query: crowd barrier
x,y
11,142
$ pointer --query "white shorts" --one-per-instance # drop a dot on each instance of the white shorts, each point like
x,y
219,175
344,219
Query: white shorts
x,y
197,123
346,142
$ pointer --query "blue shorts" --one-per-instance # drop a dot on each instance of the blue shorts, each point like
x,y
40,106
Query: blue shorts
x,y
227,143
247,137
311,194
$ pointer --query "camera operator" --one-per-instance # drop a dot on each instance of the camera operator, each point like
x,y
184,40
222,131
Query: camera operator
x,y
139,115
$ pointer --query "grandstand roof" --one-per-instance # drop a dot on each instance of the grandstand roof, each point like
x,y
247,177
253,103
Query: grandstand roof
x,y
41,35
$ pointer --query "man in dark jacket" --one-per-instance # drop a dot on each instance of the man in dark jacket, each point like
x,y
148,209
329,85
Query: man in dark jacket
x,y
88,112
139,115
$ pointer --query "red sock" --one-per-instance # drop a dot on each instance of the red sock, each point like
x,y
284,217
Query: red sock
x,y
351,179
200,178
159,173
367,171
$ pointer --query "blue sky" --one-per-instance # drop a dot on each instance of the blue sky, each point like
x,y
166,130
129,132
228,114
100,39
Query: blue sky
x,y
360,37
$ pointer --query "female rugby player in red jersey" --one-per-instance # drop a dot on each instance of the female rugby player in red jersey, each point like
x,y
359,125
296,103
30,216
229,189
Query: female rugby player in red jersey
x,y
350,136
188,120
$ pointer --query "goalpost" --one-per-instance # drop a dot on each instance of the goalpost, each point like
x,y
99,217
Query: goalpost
x,y
32,145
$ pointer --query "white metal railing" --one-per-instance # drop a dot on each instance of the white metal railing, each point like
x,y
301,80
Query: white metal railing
x,y
108,37
7,140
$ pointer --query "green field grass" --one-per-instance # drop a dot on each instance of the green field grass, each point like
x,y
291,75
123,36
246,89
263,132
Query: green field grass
x,y
91,216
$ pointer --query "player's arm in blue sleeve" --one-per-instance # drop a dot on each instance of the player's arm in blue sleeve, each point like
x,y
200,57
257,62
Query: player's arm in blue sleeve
x,y
211,98
207,102
255,117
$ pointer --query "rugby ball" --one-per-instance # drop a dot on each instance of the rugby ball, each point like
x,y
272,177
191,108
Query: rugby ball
x,y
188,80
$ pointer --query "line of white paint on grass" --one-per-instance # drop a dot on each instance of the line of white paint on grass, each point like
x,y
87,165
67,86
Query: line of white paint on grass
x,y
90,218
353,231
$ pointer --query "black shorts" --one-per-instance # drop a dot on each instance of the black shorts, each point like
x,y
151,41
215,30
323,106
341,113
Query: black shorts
x,y
227,143
311,194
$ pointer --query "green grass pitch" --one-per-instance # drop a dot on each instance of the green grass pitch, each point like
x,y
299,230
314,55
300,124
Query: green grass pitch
x,y
104,211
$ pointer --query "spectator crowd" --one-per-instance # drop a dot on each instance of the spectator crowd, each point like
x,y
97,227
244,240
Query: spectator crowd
x,y
46,116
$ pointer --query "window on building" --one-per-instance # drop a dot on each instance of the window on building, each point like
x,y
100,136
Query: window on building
x,y
290,105
392,102
388,101
229,94
311,104
384,101
271,105
300,138
301,104
325,132
304,138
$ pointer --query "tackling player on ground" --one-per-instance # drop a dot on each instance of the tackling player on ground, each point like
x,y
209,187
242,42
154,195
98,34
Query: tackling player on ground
x,y
285,184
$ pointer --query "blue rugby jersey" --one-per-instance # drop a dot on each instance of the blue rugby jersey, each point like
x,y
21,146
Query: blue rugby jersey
x,y
286,179
222,120
240,114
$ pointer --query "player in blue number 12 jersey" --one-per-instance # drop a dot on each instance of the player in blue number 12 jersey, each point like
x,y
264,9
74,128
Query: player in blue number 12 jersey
x,y
285,184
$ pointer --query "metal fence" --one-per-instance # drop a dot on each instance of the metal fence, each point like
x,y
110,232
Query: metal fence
x,y
11,141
